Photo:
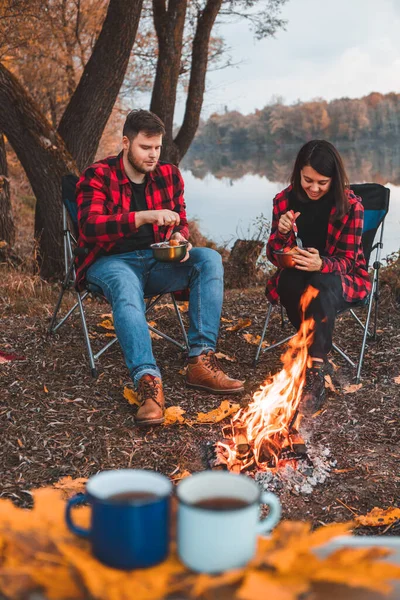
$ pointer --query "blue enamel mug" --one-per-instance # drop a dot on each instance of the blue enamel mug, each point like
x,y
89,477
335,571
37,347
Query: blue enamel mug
x,y
129,517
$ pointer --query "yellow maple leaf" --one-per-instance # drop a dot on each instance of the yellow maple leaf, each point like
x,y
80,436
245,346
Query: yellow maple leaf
x,y
254,339
70,486
173,414
225,409
131,396
350,389
106,324
241,324
378,516
220,355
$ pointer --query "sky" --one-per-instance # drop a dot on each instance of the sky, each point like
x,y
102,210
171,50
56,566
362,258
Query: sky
x,y
330,49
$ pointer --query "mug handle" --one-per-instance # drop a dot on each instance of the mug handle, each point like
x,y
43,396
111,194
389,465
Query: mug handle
x,y
76,500
275,510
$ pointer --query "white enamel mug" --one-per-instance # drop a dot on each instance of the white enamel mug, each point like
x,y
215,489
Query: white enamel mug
x,y
213,540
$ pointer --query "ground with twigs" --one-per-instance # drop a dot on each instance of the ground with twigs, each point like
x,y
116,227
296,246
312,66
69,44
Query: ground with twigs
x,y
56,420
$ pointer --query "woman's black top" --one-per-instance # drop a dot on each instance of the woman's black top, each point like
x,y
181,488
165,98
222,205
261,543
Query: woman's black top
x,y
312,223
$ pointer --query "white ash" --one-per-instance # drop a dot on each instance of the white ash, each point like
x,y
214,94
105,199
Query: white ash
x,y
309,472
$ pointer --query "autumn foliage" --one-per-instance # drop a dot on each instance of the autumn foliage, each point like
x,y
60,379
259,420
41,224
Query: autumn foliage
x,y
37,552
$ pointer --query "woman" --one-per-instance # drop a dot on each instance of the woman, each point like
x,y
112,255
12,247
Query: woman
x,y
329,219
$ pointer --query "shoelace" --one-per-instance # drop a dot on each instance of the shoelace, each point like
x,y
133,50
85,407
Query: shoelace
x,y
148,389
212,362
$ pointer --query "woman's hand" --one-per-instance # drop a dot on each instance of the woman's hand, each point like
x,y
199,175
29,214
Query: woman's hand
x,y
307,260
286,221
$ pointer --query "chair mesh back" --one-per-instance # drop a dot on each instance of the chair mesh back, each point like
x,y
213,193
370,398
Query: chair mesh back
x,y
68,185
375,199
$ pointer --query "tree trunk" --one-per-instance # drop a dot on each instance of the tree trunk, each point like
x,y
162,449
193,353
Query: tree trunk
x,y
45,160
241,268
197,80
7,230
169,25
87,113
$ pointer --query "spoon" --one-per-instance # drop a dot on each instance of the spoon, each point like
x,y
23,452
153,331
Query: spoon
x,y
299,243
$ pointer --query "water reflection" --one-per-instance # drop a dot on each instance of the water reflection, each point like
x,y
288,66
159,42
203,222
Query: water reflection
x,y
227,188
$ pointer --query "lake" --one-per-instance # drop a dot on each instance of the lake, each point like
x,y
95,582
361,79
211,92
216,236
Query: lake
x,y
226,190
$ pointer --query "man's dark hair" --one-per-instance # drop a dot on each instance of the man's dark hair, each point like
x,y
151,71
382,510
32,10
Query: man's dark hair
x,y
323,157
144,121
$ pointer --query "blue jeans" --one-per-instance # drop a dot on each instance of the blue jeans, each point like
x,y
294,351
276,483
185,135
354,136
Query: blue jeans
x,y
126,279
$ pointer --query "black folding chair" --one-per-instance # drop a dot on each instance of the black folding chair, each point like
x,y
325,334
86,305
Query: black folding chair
x,y
70,229
375,199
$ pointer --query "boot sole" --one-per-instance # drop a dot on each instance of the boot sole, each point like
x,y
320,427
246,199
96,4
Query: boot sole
x,y
213,391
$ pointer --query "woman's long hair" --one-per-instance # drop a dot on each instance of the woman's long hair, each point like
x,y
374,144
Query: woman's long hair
x,y
323,157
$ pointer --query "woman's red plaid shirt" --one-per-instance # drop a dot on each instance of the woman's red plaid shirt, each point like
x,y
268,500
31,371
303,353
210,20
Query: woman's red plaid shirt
x,y
343,250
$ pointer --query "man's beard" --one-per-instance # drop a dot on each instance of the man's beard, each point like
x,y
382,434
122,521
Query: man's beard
x,y
136,166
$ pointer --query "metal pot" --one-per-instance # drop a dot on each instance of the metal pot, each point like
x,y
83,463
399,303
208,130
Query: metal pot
x,y
166,253
285,259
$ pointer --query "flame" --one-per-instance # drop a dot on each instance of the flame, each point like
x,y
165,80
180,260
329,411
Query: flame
x,y
268,419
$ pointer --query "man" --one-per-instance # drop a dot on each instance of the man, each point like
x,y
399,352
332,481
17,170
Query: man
x,y
125,203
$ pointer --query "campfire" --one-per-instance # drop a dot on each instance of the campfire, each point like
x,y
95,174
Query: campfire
x,y
264,435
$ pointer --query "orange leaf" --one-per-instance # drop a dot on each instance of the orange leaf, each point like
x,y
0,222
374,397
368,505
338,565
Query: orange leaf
x,y
241,324
254,339
397,379
106,324
329,384
153,335
350,389
225,356
70,486
260,584
173,414
378,516
225,409
131,396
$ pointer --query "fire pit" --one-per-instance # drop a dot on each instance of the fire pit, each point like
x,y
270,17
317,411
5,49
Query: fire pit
x,y
264,437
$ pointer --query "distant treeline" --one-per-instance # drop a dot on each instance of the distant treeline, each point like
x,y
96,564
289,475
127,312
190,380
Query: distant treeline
x,y
373,117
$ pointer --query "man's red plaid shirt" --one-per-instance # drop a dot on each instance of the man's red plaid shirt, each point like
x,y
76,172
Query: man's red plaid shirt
x,y
103,196
343,250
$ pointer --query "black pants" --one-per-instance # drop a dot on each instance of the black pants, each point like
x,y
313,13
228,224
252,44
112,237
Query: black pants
x,y
323,309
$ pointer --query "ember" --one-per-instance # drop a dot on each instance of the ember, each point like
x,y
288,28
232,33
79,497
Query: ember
x,y
264,435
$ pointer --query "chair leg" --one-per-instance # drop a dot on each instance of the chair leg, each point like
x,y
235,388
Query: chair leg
x,y
263,335
179,316
64,286
93,369
364,340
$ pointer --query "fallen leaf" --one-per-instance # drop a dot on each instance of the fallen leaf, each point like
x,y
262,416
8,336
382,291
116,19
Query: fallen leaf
x,y
110,335
329,384
3,244
254,339
45,389
350,389
397,379
183,371
378,516
260,584
70,486
241,324
225,356
334,365
153,335
5,357
181,475
106,324
226,320
173,414
225,409
131,396
106,316
203,583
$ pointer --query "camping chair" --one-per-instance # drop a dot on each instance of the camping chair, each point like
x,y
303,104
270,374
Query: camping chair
x,y
375,199
70,229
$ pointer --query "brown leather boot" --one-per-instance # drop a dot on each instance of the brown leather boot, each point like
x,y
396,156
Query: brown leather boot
x,y
151,397
205,373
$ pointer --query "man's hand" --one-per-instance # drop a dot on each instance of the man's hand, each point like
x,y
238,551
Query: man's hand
x,y
157,217
307,260
179,238
286,221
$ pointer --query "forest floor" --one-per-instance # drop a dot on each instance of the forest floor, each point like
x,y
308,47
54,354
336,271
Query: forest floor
x,y
56,420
